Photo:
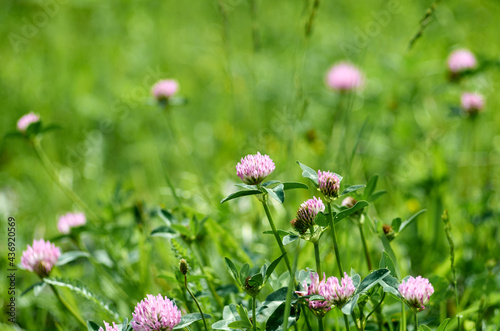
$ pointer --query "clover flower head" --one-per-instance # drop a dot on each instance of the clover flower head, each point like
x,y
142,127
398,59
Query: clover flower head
x,y
417,291
337,292
472,103
26,120
252,169
461,60
108,327
164,89
344,77
329,183
70,220
41,257
318,307
307,213
155,313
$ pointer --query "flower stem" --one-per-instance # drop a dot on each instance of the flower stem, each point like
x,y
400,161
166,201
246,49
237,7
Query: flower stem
x,y
346,321
416,320
318,262
291,287
254,315
334,238
403,317
53,174
275,232
68,307
320,323
365,247
195,301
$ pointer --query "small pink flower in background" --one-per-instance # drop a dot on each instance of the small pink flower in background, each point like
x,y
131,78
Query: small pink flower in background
x,y
319,307
252,169
155,314
472,103
25,121
41,257
461,60
109,327
344,77
164,89
329,183
307,213
417,291
70,220
335,292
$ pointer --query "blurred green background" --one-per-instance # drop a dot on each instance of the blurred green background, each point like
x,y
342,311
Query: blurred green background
x,y
89,67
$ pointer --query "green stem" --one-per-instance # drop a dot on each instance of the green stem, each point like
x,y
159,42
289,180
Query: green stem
x,y
255,26
346,321
320,323
291,287
254,315
416,320
316,255
275,232
309,23
53,174
365,247
195,301
306,319
68,307
209,282
403,317
334,238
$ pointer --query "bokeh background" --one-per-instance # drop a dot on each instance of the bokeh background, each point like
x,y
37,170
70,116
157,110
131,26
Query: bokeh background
x,y
252,82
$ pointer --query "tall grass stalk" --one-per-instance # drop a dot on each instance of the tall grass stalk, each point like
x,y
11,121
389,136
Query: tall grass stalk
x,y
49,167
447,230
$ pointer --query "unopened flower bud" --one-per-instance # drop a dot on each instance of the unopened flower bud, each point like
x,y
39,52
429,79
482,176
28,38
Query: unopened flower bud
x,y
306,214
25,121
183,267
387,229
249,289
